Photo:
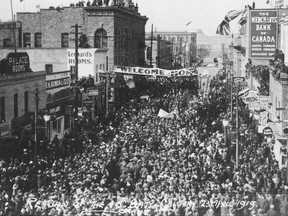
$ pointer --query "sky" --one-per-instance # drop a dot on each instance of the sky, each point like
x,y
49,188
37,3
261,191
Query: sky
x,y
165,15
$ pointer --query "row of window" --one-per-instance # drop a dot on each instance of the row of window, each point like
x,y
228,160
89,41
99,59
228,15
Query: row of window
x,y
37,40
15,107
179,39
100,39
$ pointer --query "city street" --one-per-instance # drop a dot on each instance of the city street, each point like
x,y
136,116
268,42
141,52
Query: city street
x,y
143,108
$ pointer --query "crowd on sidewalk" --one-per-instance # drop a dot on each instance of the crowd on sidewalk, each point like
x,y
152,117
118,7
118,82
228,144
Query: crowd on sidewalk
x,y
137,163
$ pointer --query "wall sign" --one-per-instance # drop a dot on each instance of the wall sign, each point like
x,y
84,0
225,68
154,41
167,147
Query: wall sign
x,y
18,62
263,29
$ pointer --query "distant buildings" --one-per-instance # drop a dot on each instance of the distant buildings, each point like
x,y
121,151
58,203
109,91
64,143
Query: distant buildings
x,y
172,48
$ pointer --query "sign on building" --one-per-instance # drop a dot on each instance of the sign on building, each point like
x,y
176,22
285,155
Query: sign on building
x,y
57,86
17,63
263,33
85,61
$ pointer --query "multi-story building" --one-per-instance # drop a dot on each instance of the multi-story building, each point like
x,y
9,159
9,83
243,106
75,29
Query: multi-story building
x,y
183,46
262,33
119,29
21,91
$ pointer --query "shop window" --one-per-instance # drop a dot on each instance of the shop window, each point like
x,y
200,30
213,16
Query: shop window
x,y
27,39
100,39
2,110
38,40
64,40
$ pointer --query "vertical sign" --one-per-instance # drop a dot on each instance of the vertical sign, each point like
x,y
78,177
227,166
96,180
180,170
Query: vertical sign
x,y
263,31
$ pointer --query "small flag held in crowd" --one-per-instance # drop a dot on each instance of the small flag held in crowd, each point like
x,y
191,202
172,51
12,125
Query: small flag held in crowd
x,y
129,81
163,114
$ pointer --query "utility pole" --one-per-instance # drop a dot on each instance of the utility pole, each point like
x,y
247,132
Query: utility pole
x,y
237,133
151,45
158,50
14,26
76,67
36,99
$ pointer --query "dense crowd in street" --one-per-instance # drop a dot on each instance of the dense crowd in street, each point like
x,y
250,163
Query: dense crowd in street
x,y
136,163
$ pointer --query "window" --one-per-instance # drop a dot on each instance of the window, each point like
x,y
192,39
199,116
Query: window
x,y
64,40
7,42
2,110
27,40
38,40
49,68
26,102
15,105
100,39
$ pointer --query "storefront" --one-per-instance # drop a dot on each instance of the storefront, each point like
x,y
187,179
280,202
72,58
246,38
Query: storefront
x,y
58,91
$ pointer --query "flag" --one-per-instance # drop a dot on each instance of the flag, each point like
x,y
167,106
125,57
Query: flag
x,y
129,81
224,28
21,0
188,23
163,114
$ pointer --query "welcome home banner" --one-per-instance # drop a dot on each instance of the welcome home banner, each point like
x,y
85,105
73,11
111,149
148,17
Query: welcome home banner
x,y
153,71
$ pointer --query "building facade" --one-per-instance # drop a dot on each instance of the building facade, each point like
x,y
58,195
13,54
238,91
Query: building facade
x,y
183,46
21,91
118,29
161,53
262,33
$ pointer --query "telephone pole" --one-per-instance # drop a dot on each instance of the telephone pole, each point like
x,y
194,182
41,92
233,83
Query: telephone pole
x,y
151,45
76,66
158,50
36,99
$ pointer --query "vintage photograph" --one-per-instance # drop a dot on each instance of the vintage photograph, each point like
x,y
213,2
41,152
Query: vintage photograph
x,y
143,108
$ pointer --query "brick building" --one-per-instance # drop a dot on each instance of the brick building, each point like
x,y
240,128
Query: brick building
x,y
119,29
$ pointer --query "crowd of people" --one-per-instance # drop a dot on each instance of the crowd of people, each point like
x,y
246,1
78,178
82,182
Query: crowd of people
x,y
136,163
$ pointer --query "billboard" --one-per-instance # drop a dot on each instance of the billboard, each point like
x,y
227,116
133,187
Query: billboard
x,y
85,61
263,33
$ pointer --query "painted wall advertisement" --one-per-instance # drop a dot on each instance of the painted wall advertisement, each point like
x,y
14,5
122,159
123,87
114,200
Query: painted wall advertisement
x,y
85,61
263,31
57,86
